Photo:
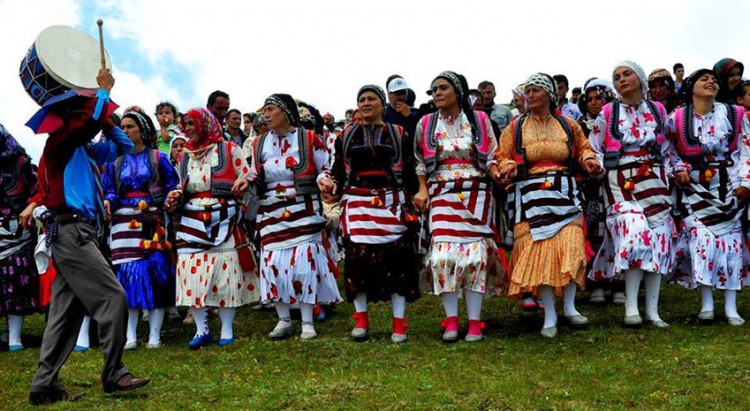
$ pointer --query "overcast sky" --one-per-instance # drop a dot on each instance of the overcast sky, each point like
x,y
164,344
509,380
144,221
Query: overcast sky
x,y
323,51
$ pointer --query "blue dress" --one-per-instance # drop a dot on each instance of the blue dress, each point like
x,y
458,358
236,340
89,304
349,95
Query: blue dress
x,y
149,282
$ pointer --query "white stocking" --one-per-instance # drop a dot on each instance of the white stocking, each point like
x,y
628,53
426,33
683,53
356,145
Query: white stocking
x,y
132,325
450,303
633,277
474,304
306,311
200,315
155,320
730,304
569,300
398,303
83,333
282,310
652,283
360,303
15,323
227,319
548,298
707,298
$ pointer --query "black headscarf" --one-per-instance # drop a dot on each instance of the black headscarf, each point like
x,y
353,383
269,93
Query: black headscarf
x,y
145,125
9,146
286,103
461,88
375,89
686,91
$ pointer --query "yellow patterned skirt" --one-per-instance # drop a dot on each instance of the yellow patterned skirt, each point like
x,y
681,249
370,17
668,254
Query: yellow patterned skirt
x,y
554,262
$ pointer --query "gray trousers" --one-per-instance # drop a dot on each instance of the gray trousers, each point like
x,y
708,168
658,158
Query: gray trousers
x,y
84,284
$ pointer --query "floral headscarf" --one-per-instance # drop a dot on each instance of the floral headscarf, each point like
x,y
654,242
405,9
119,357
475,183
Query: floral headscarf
x,y
208,129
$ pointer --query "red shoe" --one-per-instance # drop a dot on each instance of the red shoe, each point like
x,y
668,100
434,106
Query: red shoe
x,y
529,304
399,330
451,329
475,331
359,333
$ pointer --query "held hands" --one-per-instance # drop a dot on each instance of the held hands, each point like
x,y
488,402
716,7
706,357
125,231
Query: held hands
x,y
742,194
682,178
107,210
422,199
26,218
240,186
172,199
327,186
506,173
592,167
105,80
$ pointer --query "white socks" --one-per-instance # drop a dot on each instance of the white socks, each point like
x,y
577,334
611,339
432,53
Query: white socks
x,y
652,283
15,323
548,298
200,315
282,310
399,305
473,304
450,303
707,298
569,300
83,333
155,320
306,311
633,277
730,304
360,303
227,319
132,325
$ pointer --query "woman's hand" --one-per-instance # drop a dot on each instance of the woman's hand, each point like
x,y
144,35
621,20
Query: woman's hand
x,y
422,199
327,186
240,186
26,218
107,210
172,199
682,178
593,167
742,194
507,172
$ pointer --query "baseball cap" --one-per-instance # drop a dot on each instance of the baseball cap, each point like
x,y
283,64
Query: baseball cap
x,y
397,84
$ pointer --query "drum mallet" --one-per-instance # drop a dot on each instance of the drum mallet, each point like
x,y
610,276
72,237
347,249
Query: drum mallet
x,y
100,23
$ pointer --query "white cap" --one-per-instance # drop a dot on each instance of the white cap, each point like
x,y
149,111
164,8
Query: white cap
x,y
397,84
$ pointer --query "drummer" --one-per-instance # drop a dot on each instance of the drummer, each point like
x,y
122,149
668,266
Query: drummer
x,y
85,281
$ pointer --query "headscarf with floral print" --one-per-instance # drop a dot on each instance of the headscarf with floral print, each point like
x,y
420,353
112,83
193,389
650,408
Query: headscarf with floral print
x,y
208,129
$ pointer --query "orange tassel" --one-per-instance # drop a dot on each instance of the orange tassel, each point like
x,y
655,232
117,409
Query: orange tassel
x,y
145,244
286,215
629,185
546,185
134,224
708,174
461,196
206,217
142,205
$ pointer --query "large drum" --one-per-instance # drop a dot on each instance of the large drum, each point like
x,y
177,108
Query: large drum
x,y
61,58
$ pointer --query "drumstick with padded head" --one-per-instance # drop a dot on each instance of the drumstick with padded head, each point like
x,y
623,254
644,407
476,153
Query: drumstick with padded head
x,y
100,23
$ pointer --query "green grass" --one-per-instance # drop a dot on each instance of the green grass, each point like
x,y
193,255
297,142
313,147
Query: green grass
x,y
603,367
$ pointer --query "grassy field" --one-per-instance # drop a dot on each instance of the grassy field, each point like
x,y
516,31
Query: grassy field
x,y
603,367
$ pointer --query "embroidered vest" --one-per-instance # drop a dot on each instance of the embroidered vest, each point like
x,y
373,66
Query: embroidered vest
x,y
12,182
305,174
613,136
223,174
155,186
395,134
519,155
689,146
430,143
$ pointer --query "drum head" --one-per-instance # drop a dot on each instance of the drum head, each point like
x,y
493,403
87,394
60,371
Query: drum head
x,y
70,56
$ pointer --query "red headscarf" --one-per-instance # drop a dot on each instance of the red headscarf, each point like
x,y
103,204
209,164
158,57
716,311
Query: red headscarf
x,y
208,129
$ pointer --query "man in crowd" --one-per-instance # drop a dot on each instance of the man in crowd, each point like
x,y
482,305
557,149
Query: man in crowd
x,y
566,107
497,112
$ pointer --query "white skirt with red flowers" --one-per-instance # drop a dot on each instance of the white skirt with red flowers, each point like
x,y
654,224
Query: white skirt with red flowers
x,y
214,278
303,273
706,259
631,243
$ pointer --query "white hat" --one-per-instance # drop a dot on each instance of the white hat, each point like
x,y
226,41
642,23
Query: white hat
x,y
397,84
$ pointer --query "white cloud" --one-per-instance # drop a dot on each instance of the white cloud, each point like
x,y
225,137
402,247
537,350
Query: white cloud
x,y
324,51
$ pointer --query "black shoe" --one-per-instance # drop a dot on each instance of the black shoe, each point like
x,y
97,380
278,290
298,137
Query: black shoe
x,y
51,397
127,383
